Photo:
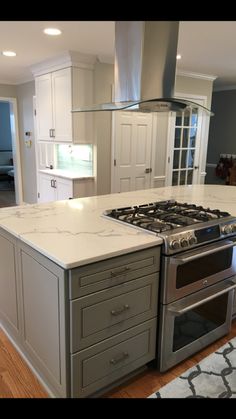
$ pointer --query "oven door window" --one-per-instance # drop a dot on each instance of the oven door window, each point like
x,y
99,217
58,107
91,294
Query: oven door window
x,y
199,321
203,267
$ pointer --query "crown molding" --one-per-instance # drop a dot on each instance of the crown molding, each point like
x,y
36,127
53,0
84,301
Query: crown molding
x,y
106,59
196,75
222,88
67,59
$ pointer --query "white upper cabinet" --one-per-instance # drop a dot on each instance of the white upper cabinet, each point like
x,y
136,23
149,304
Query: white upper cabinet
x,y
58,92
44,106
54,104
61,105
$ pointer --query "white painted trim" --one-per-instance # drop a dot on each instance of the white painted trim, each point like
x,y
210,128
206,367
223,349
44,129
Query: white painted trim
x,y
15,148
222,88
159,178
113,144
45,386
153,148
68,59
211,164
202,98
201,147
106,59
196,75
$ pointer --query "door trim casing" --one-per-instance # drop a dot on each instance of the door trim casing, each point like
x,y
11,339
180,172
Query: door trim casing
x,y
15,148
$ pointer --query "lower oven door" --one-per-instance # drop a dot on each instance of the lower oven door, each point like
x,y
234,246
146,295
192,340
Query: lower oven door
x,y
190,271
195,321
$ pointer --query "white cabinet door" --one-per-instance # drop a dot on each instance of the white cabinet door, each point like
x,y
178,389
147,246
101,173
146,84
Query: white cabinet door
x,y
44,107
64,188
46,190
62,105
53,188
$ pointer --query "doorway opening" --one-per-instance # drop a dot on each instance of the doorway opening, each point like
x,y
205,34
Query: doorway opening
x,y
10,167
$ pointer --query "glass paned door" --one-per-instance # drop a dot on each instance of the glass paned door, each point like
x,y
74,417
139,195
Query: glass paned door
x,y
184,153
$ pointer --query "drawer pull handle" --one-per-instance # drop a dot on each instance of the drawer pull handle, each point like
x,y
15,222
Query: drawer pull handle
x,y
119,358
120,310
120,272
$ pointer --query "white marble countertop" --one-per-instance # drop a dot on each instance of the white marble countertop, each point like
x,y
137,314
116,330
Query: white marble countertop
x,y
73,232
67,174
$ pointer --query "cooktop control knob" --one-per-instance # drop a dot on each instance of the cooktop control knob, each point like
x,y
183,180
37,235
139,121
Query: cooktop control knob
x,y
227,229
233,226
174,244
184,242
192,240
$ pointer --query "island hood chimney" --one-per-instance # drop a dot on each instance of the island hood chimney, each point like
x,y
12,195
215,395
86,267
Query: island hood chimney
x,y
145,67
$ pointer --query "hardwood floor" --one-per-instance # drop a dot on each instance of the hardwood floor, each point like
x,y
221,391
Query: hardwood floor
x,y
17,380
7,199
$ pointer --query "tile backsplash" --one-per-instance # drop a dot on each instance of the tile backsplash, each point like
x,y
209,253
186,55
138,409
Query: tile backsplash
x,y
76,158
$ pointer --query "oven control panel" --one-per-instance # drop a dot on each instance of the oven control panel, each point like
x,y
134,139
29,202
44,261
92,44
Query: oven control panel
x,y
184,240
228,228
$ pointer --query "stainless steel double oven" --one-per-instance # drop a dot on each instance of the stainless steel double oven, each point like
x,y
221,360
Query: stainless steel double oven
x,y
196,300
198,273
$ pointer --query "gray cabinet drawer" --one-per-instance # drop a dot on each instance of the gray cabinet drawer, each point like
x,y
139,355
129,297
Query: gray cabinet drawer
x,y
104,363
97,276
105,313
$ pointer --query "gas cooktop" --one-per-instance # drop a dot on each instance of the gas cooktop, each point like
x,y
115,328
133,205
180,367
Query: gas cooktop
x,y
180,224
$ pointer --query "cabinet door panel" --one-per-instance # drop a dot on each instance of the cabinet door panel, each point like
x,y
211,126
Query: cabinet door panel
x,y
62,105
44,106
41,314
64,188
47,193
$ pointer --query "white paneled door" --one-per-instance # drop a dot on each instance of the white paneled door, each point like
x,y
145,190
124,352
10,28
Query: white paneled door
x,y
132,151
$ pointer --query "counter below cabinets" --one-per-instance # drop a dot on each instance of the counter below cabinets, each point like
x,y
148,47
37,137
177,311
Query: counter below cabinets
x,y
54,185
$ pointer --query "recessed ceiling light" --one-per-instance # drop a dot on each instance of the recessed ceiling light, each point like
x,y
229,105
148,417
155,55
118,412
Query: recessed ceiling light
x,y
52,31
178,57
9,53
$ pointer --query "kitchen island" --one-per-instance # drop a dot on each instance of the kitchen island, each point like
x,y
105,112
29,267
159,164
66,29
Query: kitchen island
x,y
61,262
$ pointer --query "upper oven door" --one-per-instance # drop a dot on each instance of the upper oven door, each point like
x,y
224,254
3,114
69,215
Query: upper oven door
x,y
193,270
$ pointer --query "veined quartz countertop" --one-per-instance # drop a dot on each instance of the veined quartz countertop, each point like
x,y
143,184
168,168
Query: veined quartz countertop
x,y
68,174
74,232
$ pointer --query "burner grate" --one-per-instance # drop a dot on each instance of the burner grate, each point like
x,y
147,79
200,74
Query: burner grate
x,y
165,215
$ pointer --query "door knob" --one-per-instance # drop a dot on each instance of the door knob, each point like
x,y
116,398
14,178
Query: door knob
x,y
148,170
196,167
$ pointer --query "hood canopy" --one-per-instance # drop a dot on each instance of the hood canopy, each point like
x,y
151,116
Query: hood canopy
x,y
145,69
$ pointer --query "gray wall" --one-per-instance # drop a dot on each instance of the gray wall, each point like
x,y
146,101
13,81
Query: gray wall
x,y
5,127
25,93
195,86
103,79
222,133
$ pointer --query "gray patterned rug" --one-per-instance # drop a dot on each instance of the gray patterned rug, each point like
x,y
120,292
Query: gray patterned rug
x,y
213,377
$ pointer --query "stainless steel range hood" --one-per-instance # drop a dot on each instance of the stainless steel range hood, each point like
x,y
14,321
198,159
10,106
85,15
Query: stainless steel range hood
x,y
145,68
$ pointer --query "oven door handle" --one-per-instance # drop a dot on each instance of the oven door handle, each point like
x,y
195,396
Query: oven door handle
x,y
178,310
180,261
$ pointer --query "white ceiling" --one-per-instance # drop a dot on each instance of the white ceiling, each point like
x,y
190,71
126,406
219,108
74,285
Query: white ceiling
x,y
207,47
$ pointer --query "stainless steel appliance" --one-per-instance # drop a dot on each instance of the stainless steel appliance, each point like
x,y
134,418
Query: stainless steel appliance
x,y
198,273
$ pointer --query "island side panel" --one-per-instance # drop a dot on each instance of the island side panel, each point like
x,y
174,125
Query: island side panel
x,y
44,292
9,286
